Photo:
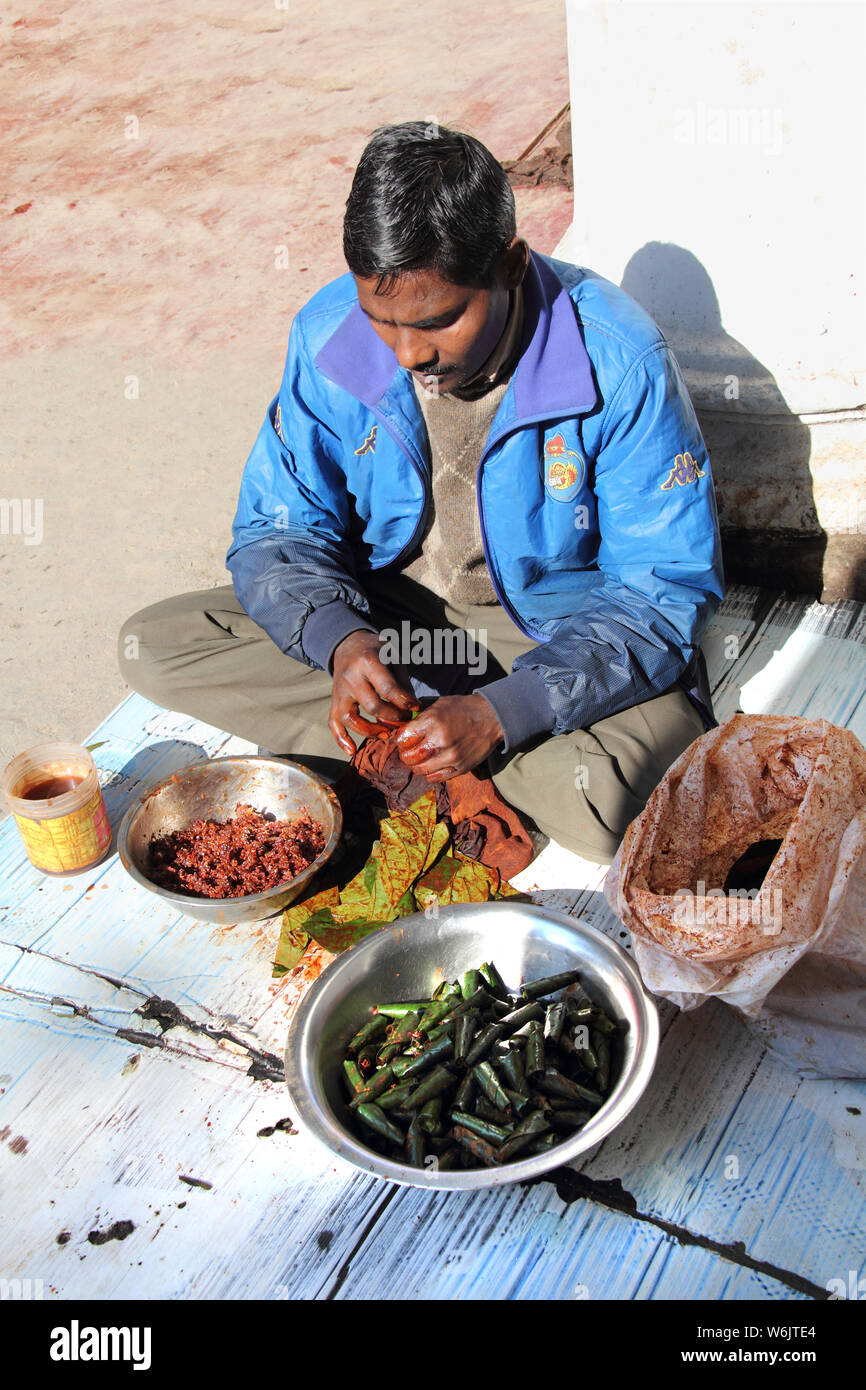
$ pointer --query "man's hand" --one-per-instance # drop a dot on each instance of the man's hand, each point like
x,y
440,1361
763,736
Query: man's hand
x,y
363,682
454,734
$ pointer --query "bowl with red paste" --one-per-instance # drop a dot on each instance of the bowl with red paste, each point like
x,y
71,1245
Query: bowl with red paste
x,y
231,839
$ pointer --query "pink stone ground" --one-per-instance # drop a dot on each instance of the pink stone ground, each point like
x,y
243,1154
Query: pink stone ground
x,y
173,192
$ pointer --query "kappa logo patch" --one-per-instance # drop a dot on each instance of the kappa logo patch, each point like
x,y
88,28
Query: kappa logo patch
x,y
369,445
684,471
564,469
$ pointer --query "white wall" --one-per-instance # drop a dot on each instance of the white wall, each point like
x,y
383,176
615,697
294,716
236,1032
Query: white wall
x,y
736,132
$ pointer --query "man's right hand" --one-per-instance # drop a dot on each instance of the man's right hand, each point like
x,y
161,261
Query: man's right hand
x,y
363,682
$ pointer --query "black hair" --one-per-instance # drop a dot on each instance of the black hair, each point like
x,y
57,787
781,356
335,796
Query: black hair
x,y
424,197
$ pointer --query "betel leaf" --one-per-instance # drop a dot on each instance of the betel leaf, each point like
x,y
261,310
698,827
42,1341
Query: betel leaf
x,y
440,841
404,839
357,896
292,945
339,936
505,890
294,938
455,879
407,904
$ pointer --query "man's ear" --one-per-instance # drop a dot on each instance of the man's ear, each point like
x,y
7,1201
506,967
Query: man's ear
x,y
514,263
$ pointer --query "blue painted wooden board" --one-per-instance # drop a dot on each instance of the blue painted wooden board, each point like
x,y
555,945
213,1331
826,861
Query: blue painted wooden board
x,y
96,1128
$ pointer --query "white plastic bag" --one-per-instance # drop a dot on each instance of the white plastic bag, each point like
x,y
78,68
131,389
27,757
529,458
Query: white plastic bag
x,y
791,954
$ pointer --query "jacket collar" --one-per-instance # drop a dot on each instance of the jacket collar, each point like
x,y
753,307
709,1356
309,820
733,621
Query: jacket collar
x,y
553,375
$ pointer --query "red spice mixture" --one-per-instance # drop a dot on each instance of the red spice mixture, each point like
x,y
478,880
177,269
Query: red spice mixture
x,y
227,859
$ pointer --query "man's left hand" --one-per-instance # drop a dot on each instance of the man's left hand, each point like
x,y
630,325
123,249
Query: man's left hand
x,y
451,736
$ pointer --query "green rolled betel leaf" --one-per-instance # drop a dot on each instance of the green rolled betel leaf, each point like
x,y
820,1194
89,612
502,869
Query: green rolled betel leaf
x,y
442,1030
367,1060
549,984
395,1095
465,1092
353,1078
519,1103
554,1021
527,1013
477,1147
411,1006
402,1029
435,1012
415,1146
490,1084
497,985
579,1010
428,1119
602,1072
475,1001
511,1068
375,1117
482,1044
534,1060
470,981
372,1029
444,987
588,1095
435,1084
523,1134
551,1082
378,1082
387,1052
587,1058
543,1144
602,1024
495,1134
409,1058
568,1120
448,1158
545,1103
554,1103
486,1110
433,1052
464,1031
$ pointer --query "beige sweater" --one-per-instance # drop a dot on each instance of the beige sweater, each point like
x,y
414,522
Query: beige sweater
x,y
451,561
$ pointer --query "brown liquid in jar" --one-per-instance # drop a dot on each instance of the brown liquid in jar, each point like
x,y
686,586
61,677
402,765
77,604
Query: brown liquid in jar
x,y
53,786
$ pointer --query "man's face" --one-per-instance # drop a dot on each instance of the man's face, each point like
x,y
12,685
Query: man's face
x,y
439,331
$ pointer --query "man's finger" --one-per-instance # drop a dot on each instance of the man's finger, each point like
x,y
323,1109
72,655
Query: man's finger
x,y
337,728
364,726
418,753
415,732
392,685
438,763
367,691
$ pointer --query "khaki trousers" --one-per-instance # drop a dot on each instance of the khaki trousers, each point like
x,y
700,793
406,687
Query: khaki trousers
x,y
201,654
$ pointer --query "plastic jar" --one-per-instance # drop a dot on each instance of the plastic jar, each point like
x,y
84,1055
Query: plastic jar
x,y
54,795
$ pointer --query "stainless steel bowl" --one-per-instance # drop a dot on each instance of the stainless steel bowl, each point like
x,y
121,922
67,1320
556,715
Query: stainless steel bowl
x,y
406,960
214,789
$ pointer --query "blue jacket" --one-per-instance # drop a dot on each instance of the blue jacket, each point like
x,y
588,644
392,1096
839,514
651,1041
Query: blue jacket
x,y
594,492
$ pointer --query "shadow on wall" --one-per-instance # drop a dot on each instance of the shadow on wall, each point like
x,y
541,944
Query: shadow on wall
x,y
759,450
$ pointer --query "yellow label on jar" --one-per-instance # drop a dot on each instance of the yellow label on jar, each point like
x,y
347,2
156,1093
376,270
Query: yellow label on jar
x,y
67,842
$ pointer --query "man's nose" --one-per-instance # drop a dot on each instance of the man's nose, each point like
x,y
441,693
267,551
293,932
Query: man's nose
x,y
412,351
